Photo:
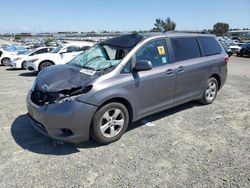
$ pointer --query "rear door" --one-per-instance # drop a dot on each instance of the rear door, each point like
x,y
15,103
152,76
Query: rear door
x,y
190,70
154,89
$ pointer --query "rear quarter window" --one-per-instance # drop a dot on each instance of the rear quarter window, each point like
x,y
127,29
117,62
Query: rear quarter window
x,y
210,46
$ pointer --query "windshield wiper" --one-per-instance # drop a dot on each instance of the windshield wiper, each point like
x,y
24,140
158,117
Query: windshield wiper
x,y
85,67
106,69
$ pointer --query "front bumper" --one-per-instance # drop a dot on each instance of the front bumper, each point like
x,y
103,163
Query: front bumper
x,y
31,66
68,121
15,64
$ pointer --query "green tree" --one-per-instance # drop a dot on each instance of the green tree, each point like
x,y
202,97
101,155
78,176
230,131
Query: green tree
x,y
17,37
220,28
169,25
164,25
48,40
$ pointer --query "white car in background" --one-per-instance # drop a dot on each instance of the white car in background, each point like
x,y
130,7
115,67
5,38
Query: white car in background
x,y
20,61
60,55
234,47
9,52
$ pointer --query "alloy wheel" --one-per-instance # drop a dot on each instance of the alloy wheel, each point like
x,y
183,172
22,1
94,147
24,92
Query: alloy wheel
x,y
112,122
211,91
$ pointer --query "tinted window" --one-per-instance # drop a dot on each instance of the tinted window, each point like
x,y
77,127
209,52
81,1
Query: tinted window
x,y
72,49
185,48
83,48
44,50
210,46
155,51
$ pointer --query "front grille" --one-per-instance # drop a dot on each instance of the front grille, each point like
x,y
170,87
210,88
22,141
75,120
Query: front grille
x,y
41,98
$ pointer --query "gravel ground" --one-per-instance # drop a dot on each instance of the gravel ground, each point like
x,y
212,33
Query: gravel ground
x,y
187,146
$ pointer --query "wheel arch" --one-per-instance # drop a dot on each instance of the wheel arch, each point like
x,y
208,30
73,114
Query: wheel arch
x,y
45,61
217,77
123,101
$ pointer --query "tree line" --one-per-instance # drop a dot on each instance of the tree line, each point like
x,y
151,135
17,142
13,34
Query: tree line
x,y
164,25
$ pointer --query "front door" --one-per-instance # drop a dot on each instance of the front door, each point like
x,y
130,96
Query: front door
x,y
154,89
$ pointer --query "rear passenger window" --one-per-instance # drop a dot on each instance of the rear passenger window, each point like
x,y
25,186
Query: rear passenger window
x,y
210,46
185,48
155,51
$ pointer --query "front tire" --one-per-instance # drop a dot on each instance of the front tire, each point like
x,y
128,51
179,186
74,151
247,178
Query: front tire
x,y
109,123
44,64
24,65
210,92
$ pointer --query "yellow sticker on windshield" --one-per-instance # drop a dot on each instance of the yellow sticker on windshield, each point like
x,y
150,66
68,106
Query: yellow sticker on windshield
x,y
161,50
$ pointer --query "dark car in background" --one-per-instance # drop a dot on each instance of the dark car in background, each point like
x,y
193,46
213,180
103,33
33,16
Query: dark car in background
x,y
123,79
245,50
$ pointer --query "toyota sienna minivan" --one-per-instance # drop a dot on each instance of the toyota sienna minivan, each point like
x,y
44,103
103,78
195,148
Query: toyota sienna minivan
x,y
123,79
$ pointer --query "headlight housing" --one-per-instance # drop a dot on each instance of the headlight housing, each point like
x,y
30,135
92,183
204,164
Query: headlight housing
x,y
18,58
32,60
71,95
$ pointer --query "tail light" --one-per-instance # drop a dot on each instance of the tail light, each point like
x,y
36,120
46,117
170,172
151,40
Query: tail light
x,y
226,58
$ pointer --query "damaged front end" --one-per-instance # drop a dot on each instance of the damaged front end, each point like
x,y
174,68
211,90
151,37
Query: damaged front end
x,y
41,98
60,83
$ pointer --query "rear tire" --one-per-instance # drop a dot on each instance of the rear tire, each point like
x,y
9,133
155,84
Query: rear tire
x,y
109,123
5,61
44,64
210,92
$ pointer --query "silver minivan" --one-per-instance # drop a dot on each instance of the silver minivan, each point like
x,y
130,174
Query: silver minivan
x,y
123,79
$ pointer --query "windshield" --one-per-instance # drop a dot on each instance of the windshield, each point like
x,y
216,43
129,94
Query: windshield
x,y
99,57
57,49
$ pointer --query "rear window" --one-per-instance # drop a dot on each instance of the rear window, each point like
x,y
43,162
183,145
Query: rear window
x,y
210,46
185,48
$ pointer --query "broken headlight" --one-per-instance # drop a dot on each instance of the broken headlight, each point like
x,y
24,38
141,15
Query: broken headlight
x,y
71,95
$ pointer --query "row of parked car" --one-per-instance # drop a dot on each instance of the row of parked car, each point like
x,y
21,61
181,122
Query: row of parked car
x,y
234,46
39,58
21,57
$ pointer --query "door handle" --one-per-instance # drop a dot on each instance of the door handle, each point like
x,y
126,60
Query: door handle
x,y
170,71
180,69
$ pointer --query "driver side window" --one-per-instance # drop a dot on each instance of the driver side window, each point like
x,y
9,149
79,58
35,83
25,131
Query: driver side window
x,y
155,51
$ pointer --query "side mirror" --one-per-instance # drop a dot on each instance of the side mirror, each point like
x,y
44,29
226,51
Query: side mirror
x,y
143,65
63,51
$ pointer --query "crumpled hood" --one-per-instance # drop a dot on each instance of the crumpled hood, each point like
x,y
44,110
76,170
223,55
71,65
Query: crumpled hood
x,y
62,77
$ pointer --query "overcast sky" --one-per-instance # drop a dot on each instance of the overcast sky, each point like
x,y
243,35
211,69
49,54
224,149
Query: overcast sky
x,y
126,15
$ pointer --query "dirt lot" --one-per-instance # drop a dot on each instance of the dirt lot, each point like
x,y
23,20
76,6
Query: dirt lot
x,y
188,146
